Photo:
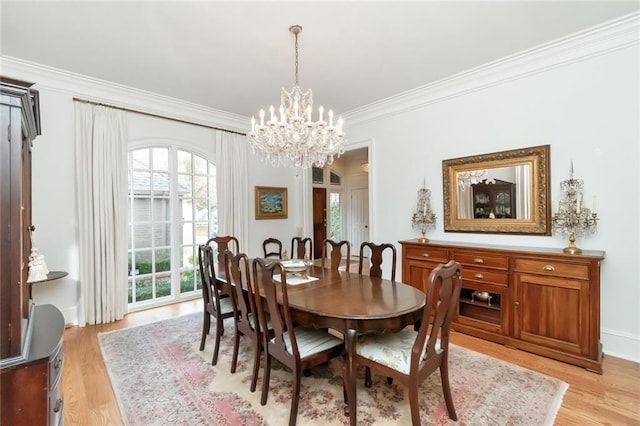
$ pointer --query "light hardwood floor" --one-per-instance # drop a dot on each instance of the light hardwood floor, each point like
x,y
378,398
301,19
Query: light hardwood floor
x,y
612,398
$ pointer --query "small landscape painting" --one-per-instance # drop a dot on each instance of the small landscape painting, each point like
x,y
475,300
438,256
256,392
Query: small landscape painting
x,y
271,202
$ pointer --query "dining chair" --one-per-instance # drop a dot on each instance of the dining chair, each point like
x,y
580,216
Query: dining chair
x,y
222,244
238,273
335,253
411,356
298,348
377,251
301,248
272,247
216,304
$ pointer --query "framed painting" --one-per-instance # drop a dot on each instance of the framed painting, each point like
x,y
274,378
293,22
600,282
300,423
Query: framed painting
x,y
271,202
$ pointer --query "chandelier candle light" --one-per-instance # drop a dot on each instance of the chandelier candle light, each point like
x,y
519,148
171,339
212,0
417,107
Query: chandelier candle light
x,y
572,218
288,137
423,217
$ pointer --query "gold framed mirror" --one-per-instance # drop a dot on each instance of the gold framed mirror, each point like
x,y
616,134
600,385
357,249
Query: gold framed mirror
x,y
501,192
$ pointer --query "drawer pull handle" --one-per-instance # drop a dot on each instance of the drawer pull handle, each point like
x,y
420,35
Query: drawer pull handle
x,y
425,254
549,268
478,260
57,363
479,276
58,406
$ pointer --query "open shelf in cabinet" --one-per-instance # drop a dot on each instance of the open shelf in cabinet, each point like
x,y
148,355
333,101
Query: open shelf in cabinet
x,y
481,310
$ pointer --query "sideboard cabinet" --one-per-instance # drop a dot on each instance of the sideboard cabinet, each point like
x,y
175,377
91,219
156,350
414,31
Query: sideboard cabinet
x,y
539,300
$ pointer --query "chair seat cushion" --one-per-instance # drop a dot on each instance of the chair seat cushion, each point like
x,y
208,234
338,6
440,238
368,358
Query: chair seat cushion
x,y
226,306
312,341
392,350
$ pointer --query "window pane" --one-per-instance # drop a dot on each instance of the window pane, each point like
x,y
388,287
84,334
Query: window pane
x,y
200,186
187,283
317,175
335,179
161,234
160,184
201,233
186,207
144,289
141,184
161,209
202,209
142,235
185,185
187,233
141,209
188,258
163,260
199,165
163,286
335,217
142,262
140,158
161,159
184,162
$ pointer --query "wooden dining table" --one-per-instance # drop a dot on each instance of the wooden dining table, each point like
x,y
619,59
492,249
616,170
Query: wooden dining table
x,y
353,304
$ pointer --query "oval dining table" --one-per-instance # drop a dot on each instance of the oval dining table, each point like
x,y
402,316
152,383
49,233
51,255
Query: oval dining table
x,y
353,304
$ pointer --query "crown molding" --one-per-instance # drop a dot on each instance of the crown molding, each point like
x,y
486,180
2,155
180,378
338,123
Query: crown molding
x,y
602,39
102,91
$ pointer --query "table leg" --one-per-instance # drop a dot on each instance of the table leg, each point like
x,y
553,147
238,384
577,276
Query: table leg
x,y
350,346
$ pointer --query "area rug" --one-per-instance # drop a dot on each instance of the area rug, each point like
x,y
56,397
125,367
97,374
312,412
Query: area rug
x,y
160,377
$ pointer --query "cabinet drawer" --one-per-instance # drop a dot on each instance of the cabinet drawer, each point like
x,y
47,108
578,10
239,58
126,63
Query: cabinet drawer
x,y
56,362
485,276
482,259
427,253
552,268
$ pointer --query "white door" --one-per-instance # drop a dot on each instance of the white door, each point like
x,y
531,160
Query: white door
x,y
359,218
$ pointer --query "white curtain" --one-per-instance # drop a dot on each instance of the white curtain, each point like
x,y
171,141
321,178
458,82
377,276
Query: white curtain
x,y
101,176
523,192
232,186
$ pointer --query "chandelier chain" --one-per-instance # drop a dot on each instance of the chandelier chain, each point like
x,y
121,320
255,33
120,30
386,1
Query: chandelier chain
x,y
296,44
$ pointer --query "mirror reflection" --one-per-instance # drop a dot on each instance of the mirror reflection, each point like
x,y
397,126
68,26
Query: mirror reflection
x,y
495,193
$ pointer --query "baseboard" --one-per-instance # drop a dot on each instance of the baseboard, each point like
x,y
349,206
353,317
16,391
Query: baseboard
x,y
620,344
70,316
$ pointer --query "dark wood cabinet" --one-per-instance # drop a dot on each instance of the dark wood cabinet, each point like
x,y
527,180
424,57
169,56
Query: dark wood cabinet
x,y
30,336
539,300
494,200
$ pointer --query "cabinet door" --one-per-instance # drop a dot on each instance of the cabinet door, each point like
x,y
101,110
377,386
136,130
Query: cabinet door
x,y
553,312
418,273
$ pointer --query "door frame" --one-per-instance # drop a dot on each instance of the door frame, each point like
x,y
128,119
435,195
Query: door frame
x,y
306,185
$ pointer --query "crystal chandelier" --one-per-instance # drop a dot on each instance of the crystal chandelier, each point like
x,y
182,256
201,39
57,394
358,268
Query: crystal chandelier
x,y
288,137
471,177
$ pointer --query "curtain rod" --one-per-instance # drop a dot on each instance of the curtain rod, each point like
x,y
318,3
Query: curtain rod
x,y
86,101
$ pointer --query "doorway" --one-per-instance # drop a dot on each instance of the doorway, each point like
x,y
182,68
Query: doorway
x,y
319,220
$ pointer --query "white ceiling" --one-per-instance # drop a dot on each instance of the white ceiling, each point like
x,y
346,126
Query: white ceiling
x,y
236,56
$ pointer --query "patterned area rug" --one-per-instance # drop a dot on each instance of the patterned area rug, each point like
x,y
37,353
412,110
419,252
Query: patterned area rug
x,y
160,377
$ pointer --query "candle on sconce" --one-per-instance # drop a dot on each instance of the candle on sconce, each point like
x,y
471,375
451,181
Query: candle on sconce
x,y
578,202
595,209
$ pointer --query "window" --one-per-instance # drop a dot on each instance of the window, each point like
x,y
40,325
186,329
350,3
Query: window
x,y
335,179
172,209
335,217
317,175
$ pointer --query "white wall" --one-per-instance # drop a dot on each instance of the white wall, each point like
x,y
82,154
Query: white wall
x,y
587,109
